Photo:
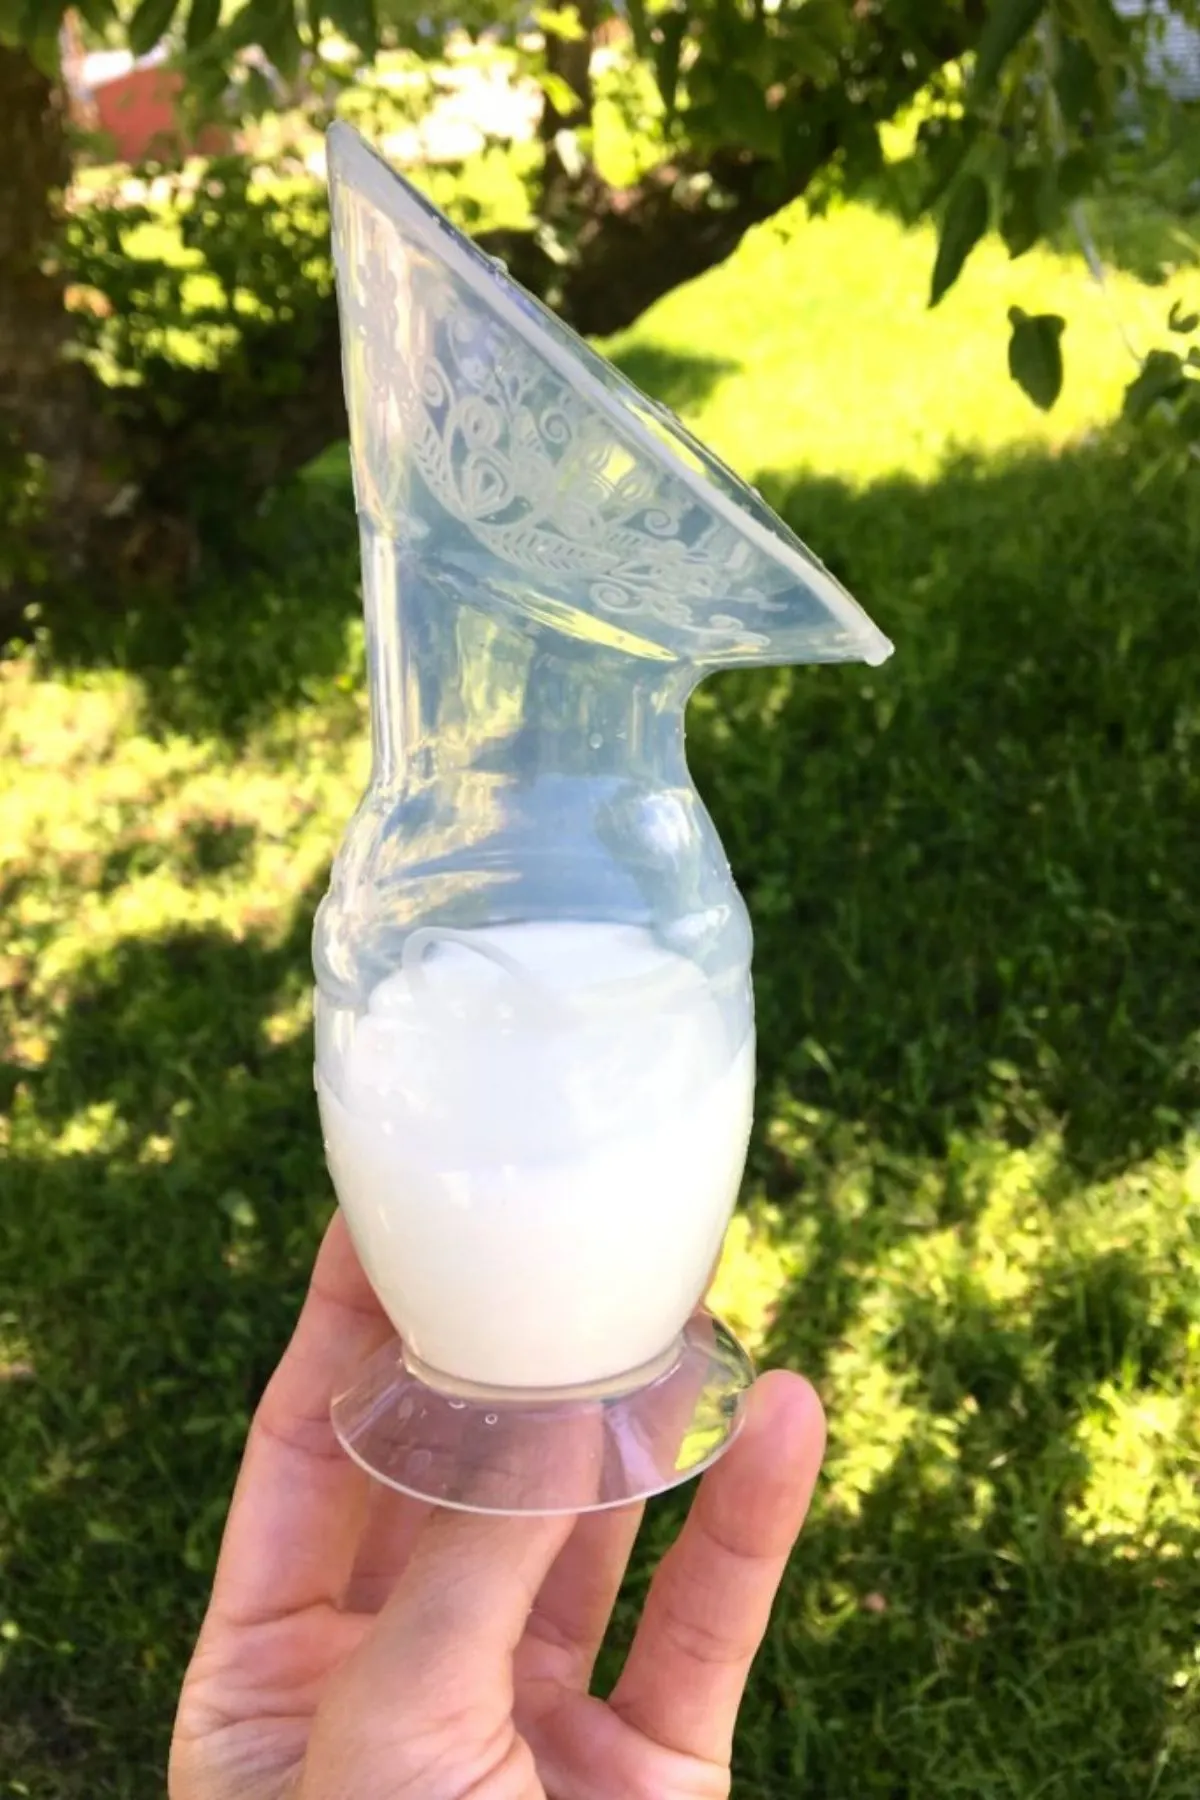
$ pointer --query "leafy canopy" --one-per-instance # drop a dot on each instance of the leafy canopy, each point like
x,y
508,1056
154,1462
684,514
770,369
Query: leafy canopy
x,y
1026,106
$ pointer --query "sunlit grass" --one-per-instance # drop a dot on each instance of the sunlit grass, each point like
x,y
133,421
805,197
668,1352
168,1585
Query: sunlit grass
x,y
828,356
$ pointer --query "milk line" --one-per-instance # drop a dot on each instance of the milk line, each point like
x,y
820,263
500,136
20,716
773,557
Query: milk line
x,y
538,1192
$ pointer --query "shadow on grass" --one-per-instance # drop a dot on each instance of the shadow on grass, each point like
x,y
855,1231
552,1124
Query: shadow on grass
x,y
1013,1643
956,1638
971,870
680,379
155,1260
264,627
959,1626
201,849
972,874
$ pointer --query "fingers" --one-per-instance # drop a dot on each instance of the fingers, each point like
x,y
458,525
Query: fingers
x,y
427,1696
390,1530
299,1503
571,1614
468,1590
711,1597
446,1639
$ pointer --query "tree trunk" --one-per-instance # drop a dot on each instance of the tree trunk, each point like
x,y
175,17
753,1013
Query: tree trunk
x,y
633,245
52,465
570,59
637,244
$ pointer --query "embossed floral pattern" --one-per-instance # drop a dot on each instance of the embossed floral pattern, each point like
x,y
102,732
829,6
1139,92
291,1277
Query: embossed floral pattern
x,y
452,401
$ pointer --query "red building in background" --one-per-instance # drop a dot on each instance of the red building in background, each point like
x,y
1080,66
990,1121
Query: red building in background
x,y
133,104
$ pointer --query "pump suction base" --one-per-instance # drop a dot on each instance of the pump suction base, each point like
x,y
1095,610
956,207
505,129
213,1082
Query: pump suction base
x,y
517,1451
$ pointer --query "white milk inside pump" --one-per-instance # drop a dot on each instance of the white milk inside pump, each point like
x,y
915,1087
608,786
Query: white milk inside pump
x,y
534,1013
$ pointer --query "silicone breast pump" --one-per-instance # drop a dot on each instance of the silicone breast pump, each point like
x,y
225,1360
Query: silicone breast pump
x,y
534,1013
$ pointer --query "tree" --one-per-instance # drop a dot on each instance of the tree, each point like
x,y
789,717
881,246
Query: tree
x,y
762,101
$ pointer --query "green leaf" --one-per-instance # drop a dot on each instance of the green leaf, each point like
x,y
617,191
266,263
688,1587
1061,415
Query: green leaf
x,y
561,22
99,14
1106,32
862,150
745,118
1180,321
1077,174
1035,358
963,224
1021,209
559,92
203,18
1077,82
283,45
1161,378
816,36
703,127
639,25
1008,22
668,48
257,99
43,53
38,23
945,144
357,21
272,25
726,29
149,23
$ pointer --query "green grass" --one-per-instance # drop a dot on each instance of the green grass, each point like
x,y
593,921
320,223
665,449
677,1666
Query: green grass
x,y
840,365
973,1206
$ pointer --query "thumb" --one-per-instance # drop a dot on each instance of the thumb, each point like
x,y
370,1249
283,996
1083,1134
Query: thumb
x,y
424,1703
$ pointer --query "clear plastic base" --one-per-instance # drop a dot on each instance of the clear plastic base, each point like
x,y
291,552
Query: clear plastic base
x,y
522,1451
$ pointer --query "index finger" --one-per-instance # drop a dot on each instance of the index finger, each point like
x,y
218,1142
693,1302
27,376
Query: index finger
x,y
299,1505
711,1596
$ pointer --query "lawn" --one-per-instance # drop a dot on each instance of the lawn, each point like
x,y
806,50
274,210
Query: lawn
x,y
972,1212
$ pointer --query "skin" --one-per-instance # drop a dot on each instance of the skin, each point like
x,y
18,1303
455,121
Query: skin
x,y
362,1646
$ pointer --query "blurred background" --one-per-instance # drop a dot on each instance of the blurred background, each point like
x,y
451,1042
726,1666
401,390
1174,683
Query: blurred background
x,y
928,273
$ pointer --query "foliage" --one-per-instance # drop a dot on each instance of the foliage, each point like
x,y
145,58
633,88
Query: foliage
x,y
972,1210
191,278
222,267
964,223
1035,355
883,382
1167,391
1026,112
22,502
1029,101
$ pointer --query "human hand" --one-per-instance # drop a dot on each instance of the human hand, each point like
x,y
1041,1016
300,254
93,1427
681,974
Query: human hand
x,y
360,1645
